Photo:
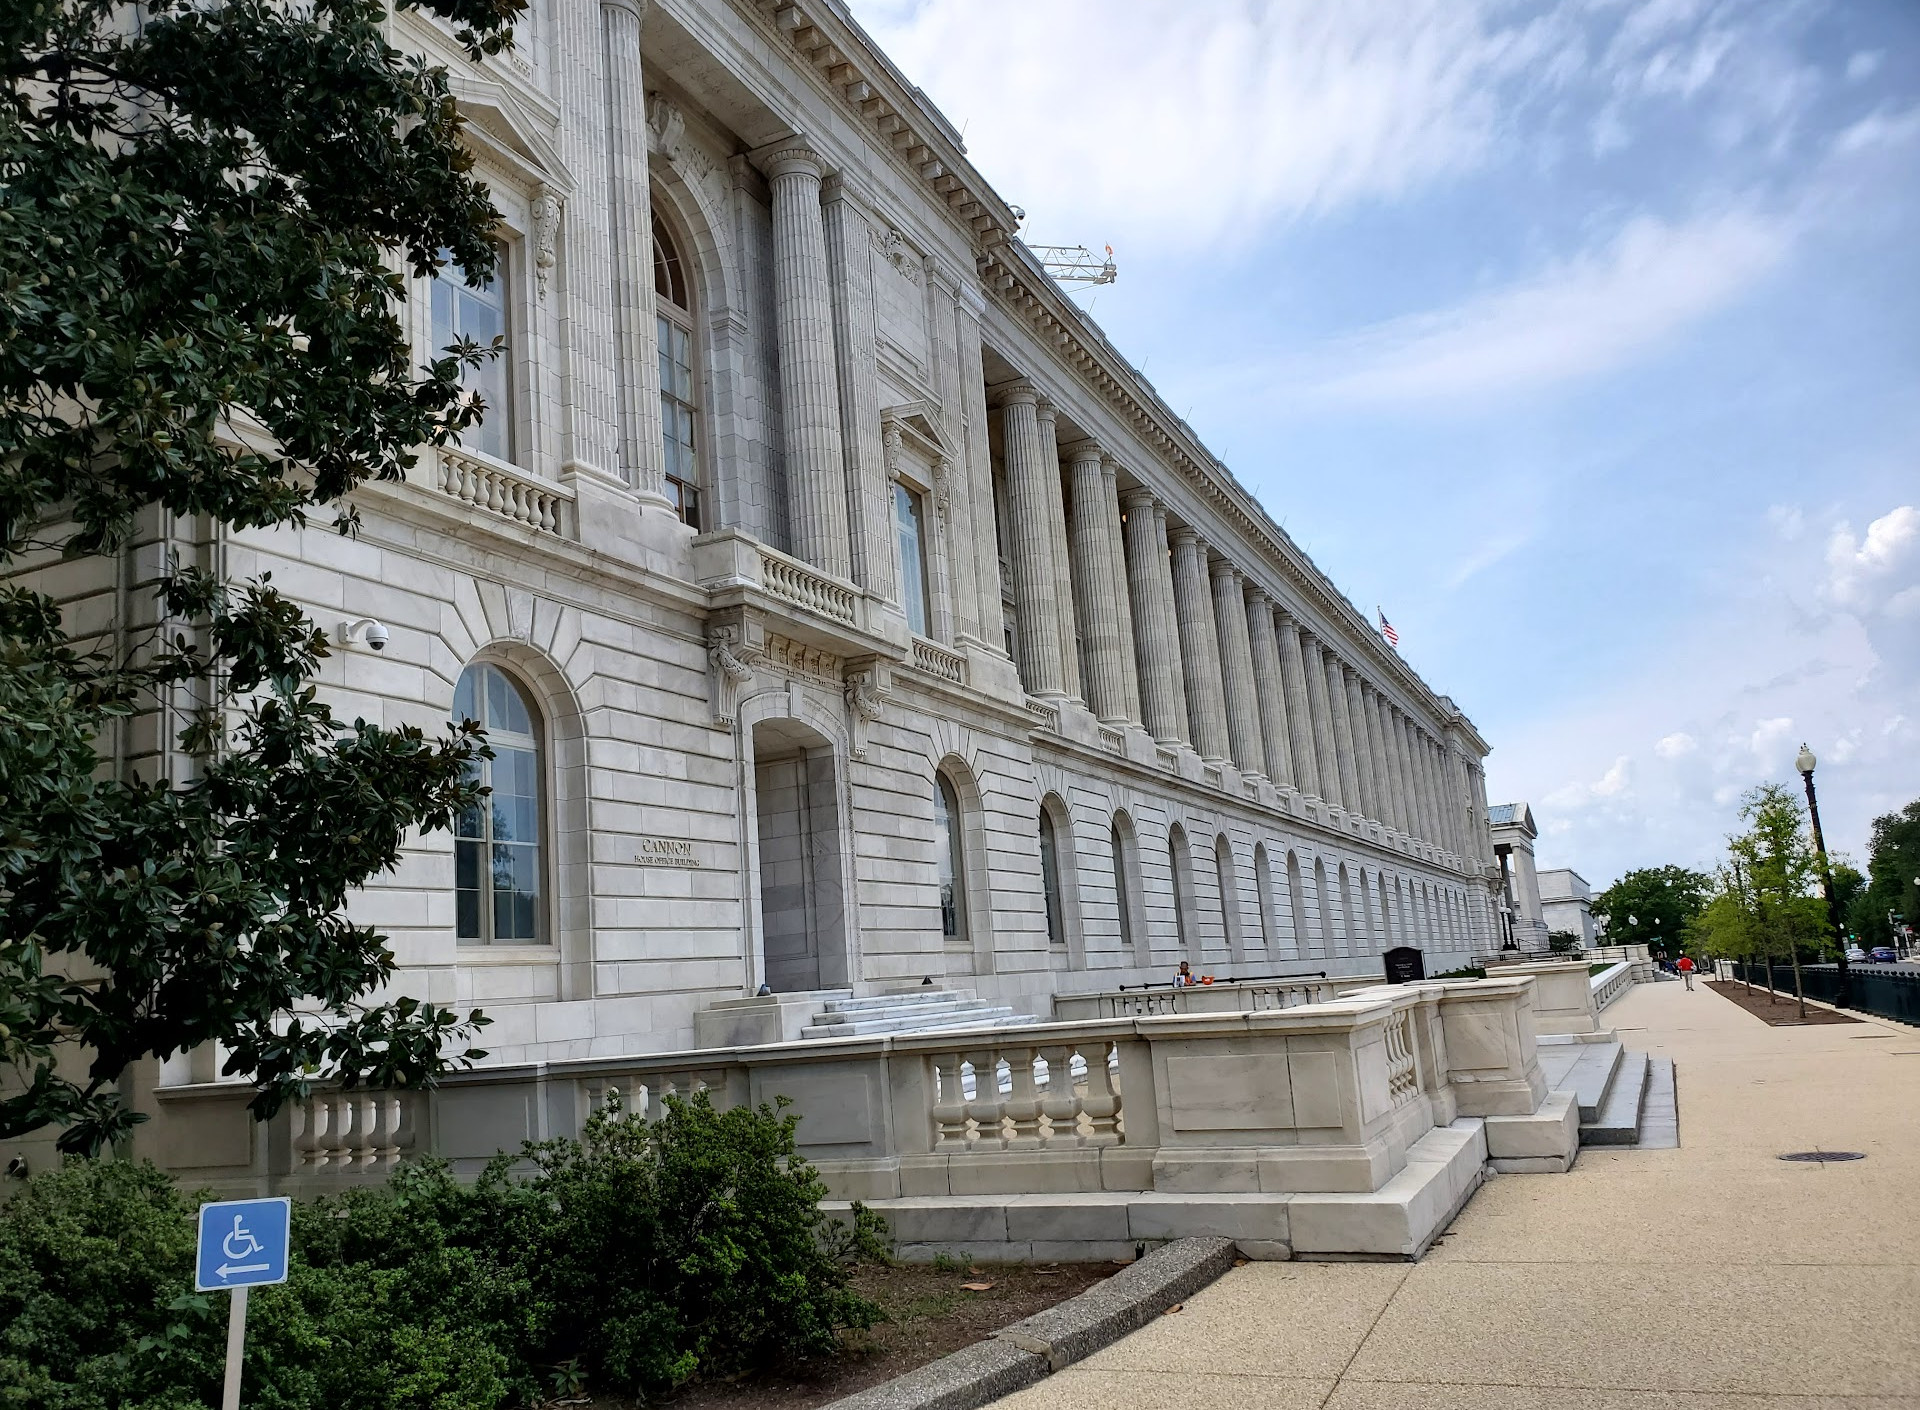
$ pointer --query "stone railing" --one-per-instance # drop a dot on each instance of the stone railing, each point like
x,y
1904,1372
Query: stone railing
x,y
1045,714
793,581
937,660
1610,984
1313,1097
507,491
1112,739
1228,996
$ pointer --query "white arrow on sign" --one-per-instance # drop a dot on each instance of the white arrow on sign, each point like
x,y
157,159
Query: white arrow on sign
x,y
227,1270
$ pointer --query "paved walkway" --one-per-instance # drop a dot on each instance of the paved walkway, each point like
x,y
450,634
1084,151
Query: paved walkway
x,y
1711,1276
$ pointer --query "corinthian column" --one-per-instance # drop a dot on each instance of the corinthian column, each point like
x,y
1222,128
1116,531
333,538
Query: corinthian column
x,y
1267,687
1048,418
1162,697
1362,746
809,380
1110,517
1199,646
1333,778
1300,715
1430,790
1403,770
1033,576
1236,668
642,461
1382,760
1099,594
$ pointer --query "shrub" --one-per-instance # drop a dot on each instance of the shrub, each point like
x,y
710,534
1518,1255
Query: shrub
x,y
630,1261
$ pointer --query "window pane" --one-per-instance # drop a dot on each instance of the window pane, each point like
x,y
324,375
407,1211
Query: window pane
x,y
913,578
1050,882
465,706
466,893
1120,888
946,819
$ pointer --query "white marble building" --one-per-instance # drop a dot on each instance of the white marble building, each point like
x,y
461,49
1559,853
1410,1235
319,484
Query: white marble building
x,y
1566,904
846,610
1521,913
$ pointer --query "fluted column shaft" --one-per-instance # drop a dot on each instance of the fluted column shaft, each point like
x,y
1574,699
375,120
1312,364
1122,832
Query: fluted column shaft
x,y
1268,690
1300,715
1236,669
1062,566
1397,734
1362,747
1430,783
809,379
1333,785
642,461
1450,825
1123,587
1098,594
1199,645
1345,752
1163,711
1170,615
1390,812
1033,576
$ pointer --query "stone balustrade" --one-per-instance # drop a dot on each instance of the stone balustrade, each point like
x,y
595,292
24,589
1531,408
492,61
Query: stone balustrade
x,y
937,660
793,581
505,490
1310,1096
1226,996
1610,984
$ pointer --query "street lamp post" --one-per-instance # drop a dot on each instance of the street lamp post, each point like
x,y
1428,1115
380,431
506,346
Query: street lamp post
x,y
1805,763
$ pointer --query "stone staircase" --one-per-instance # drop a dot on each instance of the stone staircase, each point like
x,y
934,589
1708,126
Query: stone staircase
x,y
924,1010
1626,1098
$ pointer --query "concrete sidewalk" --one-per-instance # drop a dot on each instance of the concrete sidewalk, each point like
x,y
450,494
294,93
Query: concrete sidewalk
x,y
1713,1275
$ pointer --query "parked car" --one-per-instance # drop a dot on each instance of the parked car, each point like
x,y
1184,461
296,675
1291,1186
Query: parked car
x,y
1855,954
1882,954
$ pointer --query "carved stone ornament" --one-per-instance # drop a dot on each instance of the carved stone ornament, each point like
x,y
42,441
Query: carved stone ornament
x,y
669,127
546,235
943,484
866,689
899,254
728,672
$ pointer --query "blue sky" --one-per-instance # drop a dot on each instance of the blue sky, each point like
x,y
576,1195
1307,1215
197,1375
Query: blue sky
x,y
1584,338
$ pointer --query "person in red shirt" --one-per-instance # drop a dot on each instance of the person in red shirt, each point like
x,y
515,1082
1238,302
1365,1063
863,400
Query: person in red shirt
x,y
1686,969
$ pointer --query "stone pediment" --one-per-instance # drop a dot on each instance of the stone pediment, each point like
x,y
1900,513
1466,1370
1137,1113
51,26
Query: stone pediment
x,y
502,122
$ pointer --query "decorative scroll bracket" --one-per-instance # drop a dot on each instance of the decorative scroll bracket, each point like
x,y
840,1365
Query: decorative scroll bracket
x,y
867,689
728,671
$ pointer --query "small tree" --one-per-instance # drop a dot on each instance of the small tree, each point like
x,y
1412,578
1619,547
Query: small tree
x,y
204,217
1781,871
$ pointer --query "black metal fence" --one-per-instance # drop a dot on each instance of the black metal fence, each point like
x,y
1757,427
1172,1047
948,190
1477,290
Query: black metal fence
x,y
1885,993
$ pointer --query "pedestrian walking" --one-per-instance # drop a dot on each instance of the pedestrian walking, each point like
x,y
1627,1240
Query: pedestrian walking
x,y
1686,969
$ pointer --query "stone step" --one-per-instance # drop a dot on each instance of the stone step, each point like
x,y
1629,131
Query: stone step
x,y
905,997
1618,1121
910,1017
1588,1070
892,1010
1660,1116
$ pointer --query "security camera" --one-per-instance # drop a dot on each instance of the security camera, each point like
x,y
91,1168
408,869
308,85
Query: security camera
x,y
365,629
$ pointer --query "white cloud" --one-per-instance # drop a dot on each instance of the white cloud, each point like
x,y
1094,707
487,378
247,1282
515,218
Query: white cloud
x,y
1864,65
1677,745
1879,129
1880,571
1769,735
1581,316
1185,124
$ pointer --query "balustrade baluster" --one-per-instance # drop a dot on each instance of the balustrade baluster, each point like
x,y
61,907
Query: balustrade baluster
x,y
1023,1101
987,1109
1061,1106
1101,1102
949,1104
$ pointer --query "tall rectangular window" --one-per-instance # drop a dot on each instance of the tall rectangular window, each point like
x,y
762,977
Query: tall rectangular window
x,y
676,418
480,315
913,569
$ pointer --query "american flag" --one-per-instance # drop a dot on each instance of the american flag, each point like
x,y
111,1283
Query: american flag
x,y
1386,629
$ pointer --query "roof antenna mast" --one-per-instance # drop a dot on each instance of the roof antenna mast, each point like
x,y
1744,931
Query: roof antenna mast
x,y
1075,264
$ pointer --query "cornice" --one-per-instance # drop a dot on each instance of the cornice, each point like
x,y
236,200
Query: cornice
x,y
827,42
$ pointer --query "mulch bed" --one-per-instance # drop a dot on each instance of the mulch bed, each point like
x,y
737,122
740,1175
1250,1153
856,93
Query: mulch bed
x,y
930,1313
1778,1009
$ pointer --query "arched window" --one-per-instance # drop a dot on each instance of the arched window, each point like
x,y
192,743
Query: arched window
x,y
498,855
952,873
1050,882
1298,905
1123,880
679,387
1229,884
1182,858
1263,883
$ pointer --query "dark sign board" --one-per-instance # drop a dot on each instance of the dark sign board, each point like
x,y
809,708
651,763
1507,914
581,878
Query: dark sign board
x,y
1403,964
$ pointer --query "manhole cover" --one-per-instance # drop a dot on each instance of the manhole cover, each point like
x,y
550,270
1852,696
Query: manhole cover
x,y
1824,1157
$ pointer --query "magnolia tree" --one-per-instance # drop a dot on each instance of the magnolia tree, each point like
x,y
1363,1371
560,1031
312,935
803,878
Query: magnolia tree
x,y
208,216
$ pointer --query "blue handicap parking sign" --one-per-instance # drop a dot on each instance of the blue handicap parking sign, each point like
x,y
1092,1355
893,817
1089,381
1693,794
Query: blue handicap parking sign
x,y
243,1243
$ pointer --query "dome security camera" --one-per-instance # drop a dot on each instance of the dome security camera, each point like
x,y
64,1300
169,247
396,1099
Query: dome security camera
x,y
366,629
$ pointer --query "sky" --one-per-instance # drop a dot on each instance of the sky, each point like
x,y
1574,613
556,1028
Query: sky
x,y
1582,338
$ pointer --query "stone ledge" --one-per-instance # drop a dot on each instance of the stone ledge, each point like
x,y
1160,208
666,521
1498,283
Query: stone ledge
x,y
1020,1355
1545,1142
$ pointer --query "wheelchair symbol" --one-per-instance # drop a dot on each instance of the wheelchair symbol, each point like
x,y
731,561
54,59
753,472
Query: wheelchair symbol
x,y
240,1244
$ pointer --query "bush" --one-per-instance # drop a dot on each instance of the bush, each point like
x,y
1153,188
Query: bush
x,y
630,1261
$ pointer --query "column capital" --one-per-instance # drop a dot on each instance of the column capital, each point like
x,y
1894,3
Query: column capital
x,y
792,157
1138,498
1047,411
1179,534
1223,568
636,8
1079,452
1016,393
1257,595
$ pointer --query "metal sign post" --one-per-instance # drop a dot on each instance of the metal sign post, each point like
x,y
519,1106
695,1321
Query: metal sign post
x,y
243,1244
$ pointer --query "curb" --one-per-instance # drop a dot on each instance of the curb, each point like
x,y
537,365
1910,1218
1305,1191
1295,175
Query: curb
x,y
1030,1350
